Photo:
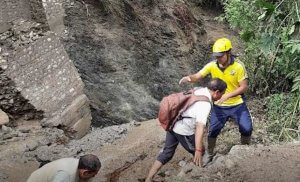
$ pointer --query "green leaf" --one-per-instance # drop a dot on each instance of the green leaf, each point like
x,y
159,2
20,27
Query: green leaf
x,y
268,42
247,35
292,30
295,48
262,16
266,5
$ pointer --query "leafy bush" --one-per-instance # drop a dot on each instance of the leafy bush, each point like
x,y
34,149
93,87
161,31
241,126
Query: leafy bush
x,y
283,116
271,35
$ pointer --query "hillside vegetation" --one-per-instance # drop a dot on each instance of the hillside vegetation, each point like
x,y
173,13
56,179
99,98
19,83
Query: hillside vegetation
x,y
271,34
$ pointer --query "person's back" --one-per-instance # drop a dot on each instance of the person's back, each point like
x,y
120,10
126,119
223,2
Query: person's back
x,y
199,111
66,166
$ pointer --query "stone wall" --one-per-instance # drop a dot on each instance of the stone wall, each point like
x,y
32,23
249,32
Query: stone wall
x,y
55,13
36,66
48,12
11,10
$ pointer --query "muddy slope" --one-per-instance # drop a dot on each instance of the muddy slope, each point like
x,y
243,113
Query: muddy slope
x,y
132,53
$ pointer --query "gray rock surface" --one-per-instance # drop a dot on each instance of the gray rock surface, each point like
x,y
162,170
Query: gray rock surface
x,y
3,118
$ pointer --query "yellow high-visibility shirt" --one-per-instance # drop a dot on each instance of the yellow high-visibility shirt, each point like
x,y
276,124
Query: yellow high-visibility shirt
x,y
232,75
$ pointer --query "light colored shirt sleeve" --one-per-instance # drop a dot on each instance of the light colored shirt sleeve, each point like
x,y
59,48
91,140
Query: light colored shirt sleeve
x,y
201,117
62,176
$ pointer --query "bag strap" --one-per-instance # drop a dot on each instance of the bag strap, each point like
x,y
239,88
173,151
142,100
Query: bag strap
x,y
195,98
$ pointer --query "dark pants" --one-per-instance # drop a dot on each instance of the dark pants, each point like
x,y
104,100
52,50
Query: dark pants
x,y
239,113
172,140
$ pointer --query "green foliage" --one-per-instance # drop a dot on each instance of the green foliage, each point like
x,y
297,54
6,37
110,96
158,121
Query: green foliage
x,y
283,116
271,33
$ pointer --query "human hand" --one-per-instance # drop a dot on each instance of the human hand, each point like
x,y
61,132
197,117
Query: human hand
x,y
185,79
198,158
223,98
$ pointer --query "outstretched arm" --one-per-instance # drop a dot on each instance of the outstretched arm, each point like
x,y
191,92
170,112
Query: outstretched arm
x,y
191,78
199,143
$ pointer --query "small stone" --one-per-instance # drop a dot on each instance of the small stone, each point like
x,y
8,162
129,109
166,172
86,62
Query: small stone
x,y
6,129
3,61
9,136
122,131
167,173
31,34
135,123
182,163
4,67
23,38
219,174
24,130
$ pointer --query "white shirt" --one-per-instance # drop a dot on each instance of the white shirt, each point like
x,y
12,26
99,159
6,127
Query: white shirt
x,y
198,112
65,170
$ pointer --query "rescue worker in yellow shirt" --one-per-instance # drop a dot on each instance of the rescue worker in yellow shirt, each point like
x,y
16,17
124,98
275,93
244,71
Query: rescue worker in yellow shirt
x,y
228,68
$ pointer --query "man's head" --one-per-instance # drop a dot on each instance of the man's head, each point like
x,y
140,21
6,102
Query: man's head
x,y
217,88
222,50
88,166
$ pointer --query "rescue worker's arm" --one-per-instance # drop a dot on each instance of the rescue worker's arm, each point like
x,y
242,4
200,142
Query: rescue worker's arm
x,y
199,75
239,91
199,148
191,78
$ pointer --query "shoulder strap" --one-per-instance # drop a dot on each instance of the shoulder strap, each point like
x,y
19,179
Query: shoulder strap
x,y
194,98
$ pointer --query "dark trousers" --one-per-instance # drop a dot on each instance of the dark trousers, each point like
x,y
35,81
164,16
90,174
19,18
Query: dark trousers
x,y
239,113
172,140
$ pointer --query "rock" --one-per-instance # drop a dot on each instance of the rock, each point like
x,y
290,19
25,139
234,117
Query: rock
x,y
122,131
32,146
6,129
182,163
135,123
218,161
167,173
229,164
24,130
82,126
3,118
9,136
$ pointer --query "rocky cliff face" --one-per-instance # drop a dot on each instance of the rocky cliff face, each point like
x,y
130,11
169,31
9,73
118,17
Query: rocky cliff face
x,y
132,53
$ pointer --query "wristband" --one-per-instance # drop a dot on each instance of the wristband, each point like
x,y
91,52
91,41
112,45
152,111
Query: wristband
x,y
199,150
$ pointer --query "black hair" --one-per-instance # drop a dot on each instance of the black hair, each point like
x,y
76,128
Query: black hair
x,y
89,162
217,84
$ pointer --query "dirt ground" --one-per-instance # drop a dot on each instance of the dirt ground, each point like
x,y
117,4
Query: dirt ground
x,y
133,156
129,159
